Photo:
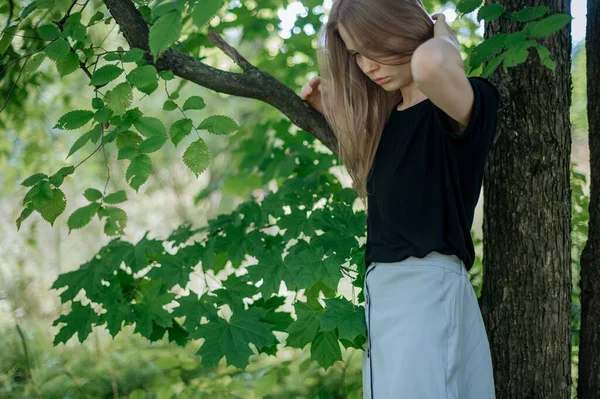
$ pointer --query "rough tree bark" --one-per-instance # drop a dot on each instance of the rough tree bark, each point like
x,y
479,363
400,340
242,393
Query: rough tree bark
x,y
526,293
589,339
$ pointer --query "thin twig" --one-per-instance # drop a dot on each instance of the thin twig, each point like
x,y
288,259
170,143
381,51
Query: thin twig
x,y
14,84
230,51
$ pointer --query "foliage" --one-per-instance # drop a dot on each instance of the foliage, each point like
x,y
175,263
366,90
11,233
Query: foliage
x,y
304,232
580,200
579,116
129,366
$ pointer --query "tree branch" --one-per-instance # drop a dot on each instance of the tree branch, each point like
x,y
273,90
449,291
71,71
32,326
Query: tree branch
x,y
230,51
253,83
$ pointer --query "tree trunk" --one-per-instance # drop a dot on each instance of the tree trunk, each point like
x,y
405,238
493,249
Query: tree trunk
x,y
526,292
589,339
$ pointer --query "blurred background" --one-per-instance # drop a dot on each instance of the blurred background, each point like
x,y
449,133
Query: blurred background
x,y
130,366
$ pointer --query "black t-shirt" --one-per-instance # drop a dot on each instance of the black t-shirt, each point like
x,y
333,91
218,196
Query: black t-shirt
x,y
426,180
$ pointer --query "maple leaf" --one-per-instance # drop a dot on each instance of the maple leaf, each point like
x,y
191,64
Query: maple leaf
x,y
79,321
342,314
231,338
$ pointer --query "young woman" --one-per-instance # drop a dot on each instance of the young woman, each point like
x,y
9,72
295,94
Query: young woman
x,y
414,133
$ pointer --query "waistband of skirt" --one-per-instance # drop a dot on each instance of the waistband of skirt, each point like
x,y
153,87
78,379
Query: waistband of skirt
x,y
447,261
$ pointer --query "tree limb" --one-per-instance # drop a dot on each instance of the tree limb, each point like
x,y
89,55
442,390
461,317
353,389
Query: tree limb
x,y
252,83
230,51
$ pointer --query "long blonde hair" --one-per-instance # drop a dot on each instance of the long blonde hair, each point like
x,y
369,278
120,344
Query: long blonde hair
x,y
356,108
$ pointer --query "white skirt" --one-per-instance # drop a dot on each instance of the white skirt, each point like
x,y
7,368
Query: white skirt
x,y
425,335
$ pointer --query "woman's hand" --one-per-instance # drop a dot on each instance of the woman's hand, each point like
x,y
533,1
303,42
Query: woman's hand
x,y
311,93
441,29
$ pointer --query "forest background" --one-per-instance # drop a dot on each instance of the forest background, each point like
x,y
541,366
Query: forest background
x,y
279,40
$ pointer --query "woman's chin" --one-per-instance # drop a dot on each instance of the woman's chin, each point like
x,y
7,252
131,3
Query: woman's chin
x,y
390,86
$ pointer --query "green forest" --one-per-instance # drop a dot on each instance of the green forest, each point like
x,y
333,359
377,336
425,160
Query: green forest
x,y
173,220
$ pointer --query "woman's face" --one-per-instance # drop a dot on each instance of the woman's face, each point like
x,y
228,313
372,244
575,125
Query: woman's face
x,y
397,76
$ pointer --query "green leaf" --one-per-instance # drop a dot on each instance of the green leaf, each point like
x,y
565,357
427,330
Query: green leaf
x,y
57,49
490,12
528,14
133,55
98,16
194,102
177,5
180,129
89,276
97,103
485,50
74,28
74,119
219,124
7,37
96,132
169,105
517,54
150,126
80,142
492,65
294,271
166,75
92,194
127,153
149,307
82,216
127,138
117,313
235,290
197,157
52,208
304,330
549,25
467,6
116,197
138,171
45,4
27,211
105,74
48,32
172,270
68,64
116,220
79,321
112,56
342,314
152,144
194,308
515,38
103,115
545,57
144,78
34,179
31,7
45,190
165,31
205,11
325,349
119,98
33,64
231,339
58,177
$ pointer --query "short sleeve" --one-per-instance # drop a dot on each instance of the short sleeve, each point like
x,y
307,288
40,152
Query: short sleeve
x,y
484,116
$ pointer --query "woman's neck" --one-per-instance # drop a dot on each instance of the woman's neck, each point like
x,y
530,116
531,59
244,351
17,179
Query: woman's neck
x,y
411,95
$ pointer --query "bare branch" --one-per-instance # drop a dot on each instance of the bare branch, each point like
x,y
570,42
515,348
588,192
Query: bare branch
x,y
230,51
253,83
